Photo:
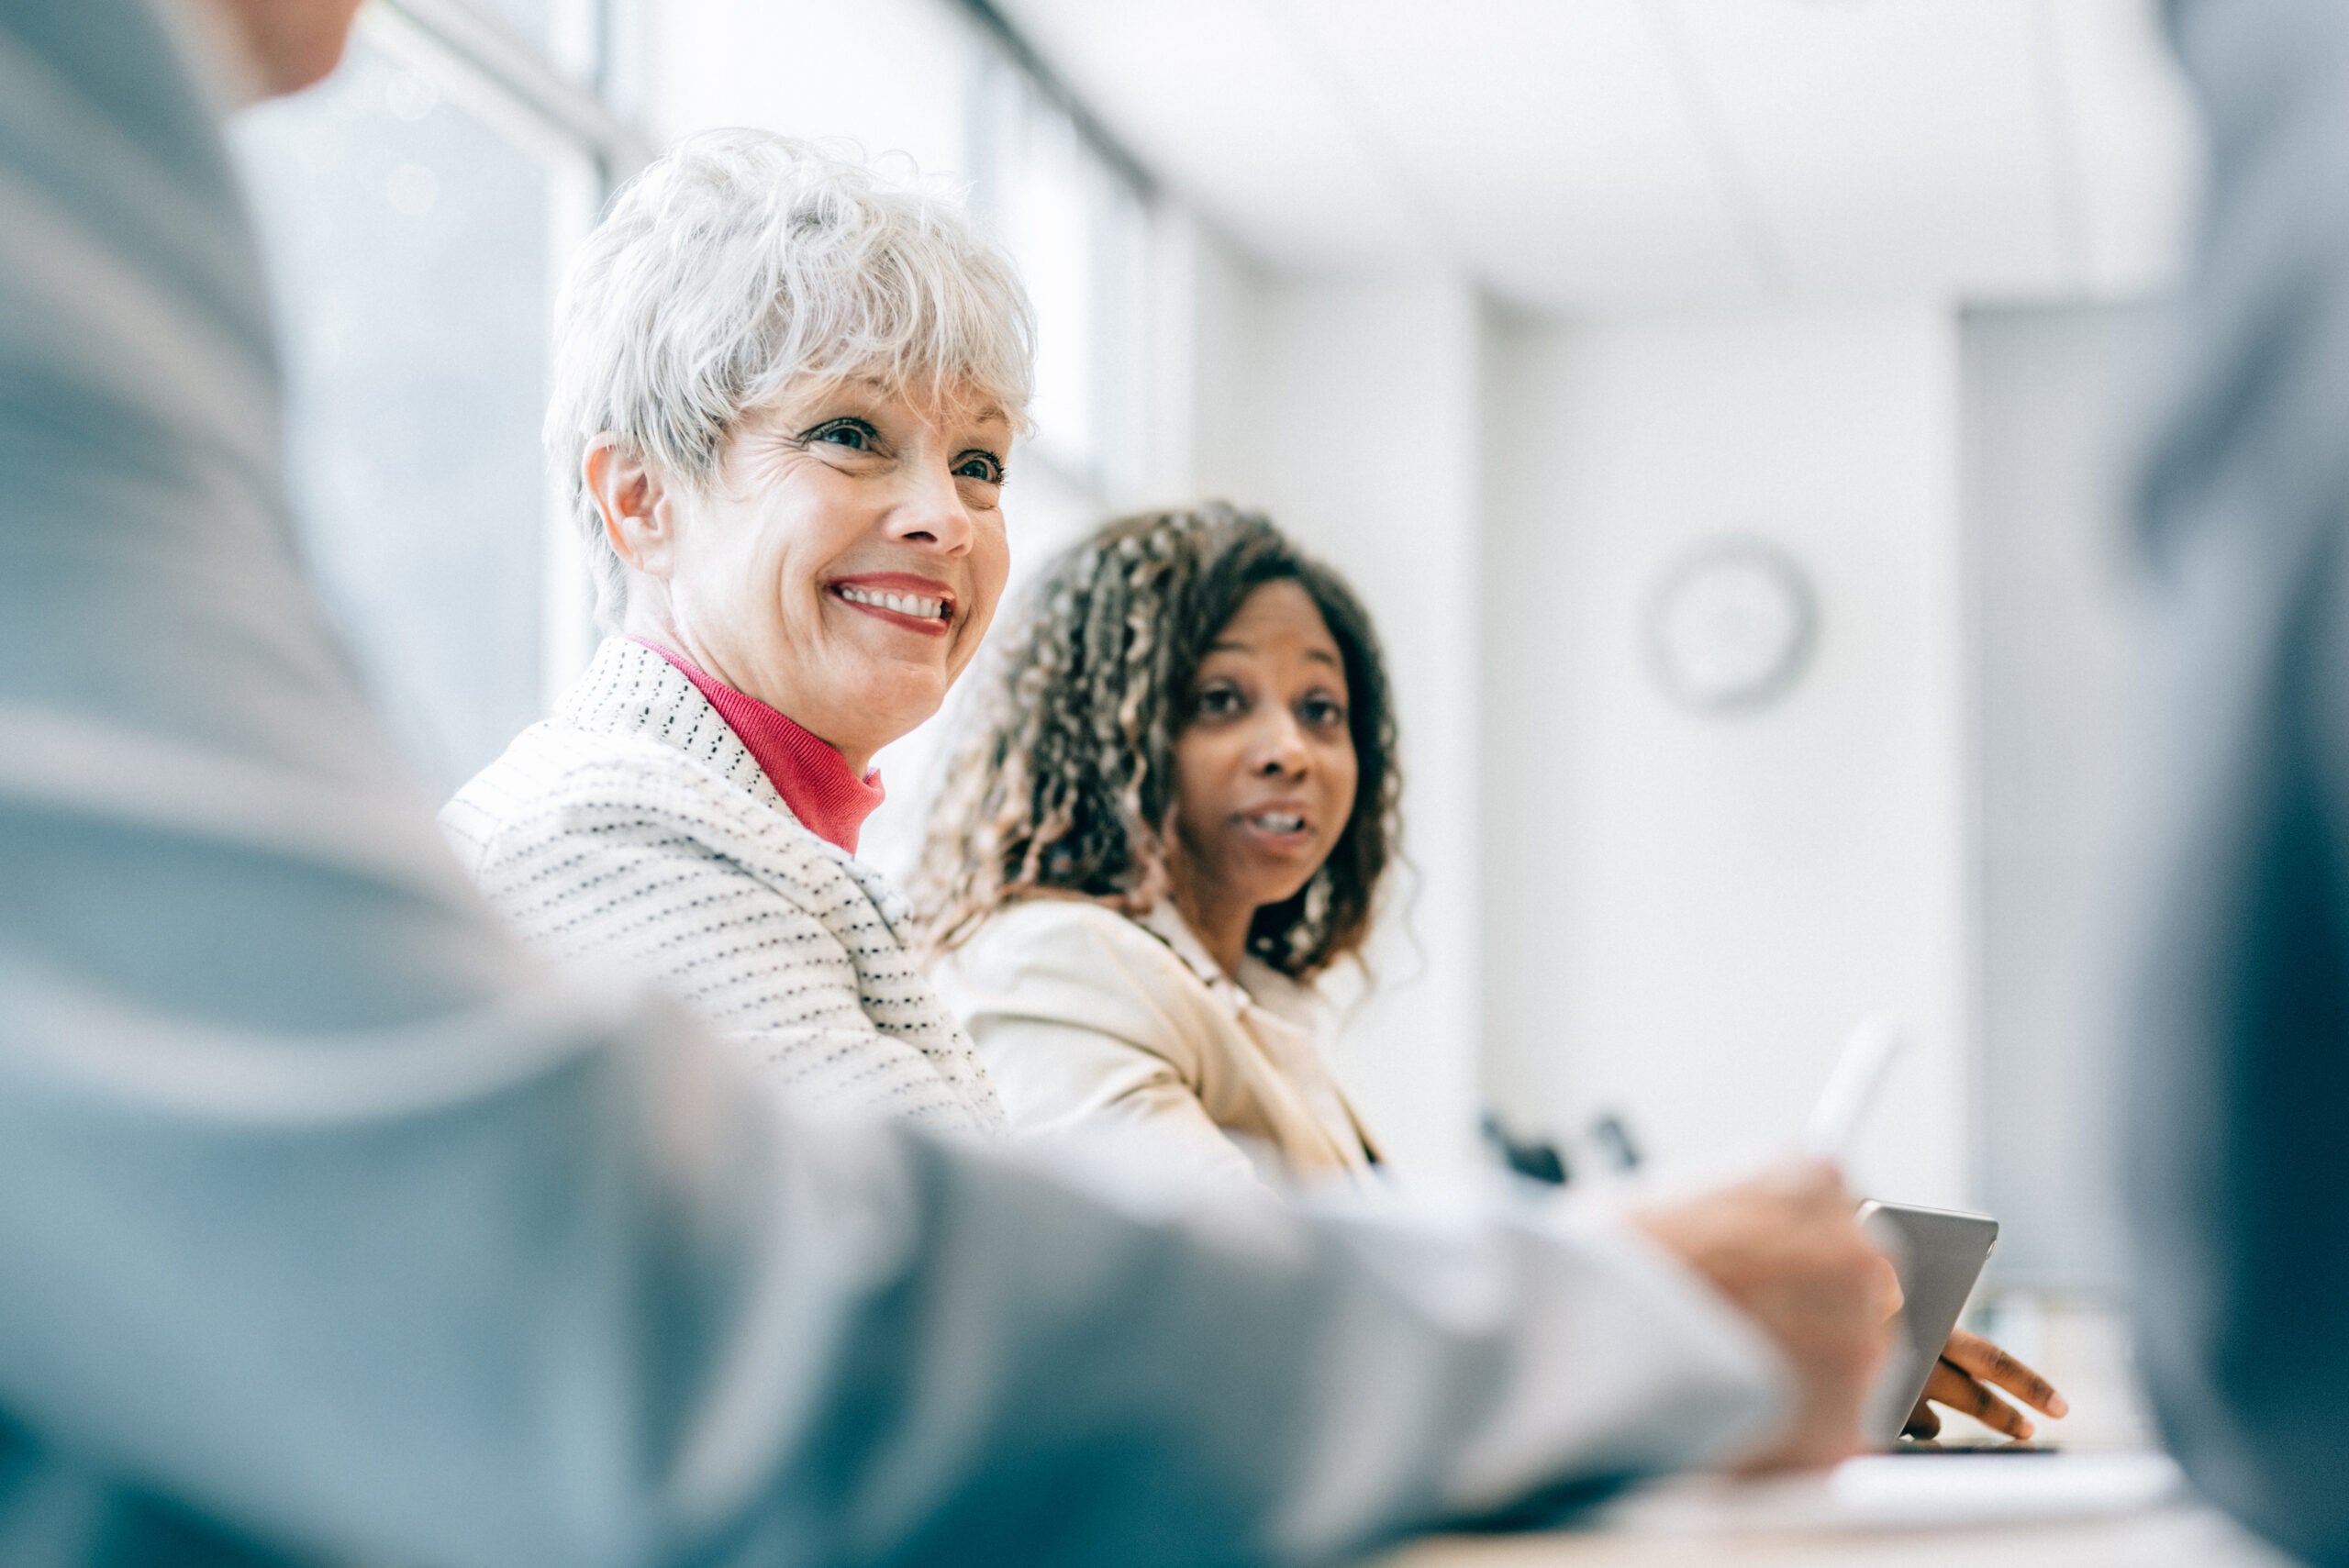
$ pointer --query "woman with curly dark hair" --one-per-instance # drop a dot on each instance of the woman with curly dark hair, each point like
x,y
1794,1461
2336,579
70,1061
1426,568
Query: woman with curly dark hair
x,y
1172,812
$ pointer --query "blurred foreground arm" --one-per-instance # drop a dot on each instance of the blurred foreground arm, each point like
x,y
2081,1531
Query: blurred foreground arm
x,y
1785,1248
2239,1155
331,1224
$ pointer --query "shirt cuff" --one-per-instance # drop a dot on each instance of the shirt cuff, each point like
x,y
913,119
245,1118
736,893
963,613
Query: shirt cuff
x,y
1633,1365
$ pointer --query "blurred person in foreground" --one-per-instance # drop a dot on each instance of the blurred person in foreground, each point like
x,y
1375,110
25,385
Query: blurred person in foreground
x,y
1174,813
784,395
2239,1063
339,1228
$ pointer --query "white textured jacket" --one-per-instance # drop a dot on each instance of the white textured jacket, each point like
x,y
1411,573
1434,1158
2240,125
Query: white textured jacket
x,y
633,830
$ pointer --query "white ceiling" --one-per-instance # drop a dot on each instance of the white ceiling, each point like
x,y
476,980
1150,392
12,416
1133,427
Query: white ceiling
x,y
1593,155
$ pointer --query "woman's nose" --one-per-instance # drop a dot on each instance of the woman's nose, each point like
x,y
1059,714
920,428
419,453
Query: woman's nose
x,y
931,512
1280,745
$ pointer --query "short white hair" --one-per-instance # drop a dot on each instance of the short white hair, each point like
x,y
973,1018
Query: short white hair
x,y
742,264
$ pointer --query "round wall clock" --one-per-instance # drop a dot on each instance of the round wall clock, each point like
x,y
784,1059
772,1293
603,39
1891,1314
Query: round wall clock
x,y
1730,625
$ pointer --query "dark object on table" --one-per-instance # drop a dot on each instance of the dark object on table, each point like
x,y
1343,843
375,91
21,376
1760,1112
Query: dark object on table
x,y
1532,1159
1613,1136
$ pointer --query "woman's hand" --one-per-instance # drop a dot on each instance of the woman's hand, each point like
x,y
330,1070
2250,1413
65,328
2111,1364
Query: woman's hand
x,y
1963,1379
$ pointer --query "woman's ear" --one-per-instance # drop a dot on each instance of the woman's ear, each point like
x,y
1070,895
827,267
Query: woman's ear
x,y
639,518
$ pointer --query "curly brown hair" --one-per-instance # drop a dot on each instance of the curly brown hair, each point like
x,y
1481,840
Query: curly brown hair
x,y
1064,781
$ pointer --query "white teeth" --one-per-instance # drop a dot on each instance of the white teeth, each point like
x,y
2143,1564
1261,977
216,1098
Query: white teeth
x,y
1278,822
904,604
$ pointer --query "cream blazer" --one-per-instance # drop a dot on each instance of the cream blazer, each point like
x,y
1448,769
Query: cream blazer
x,y
1125,1036
632,832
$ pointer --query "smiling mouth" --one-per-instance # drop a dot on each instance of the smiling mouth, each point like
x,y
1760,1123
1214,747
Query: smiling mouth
x,y
1279,824
918,612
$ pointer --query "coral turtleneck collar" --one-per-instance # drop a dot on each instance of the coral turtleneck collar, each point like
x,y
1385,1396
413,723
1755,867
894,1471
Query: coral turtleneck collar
x,y
809,774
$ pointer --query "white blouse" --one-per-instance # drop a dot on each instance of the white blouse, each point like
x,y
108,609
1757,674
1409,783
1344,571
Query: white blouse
x,y
1125,1036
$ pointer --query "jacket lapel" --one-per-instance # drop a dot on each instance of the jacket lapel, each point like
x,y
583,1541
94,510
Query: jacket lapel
x,y
1275,1001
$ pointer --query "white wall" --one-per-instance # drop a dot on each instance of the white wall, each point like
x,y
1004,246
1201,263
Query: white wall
x,y
1348,412
1683,913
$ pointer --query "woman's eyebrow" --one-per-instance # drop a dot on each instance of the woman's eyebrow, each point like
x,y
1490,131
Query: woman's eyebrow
x,y
1232,645
829,412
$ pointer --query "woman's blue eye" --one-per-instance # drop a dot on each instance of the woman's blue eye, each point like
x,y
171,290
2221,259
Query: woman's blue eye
x,y
853,434
980,465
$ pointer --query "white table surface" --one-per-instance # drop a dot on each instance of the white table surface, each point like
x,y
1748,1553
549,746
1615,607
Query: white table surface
x,y
2173,1537
2104,1502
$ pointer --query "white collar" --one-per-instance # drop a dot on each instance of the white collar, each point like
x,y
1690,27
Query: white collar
x,y
628,689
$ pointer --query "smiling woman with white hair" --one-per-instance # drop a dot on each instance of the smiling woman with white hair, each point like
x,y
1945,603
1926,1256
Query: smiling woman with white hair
x,y
785,391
